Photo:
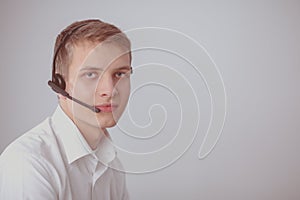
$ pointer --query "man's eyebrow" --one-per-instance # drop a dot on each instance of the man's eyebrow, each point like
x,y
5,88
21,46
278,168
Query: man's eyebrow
x,y
124,67
91,68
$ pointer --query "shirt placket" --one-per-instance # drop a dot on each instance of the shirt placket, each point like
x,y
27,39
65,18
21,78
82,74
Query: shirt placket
x,y
98,171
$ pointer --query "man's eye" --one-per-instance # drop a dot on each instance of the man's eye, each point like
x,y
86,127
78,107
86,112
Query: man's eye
x,y
120,74
91,75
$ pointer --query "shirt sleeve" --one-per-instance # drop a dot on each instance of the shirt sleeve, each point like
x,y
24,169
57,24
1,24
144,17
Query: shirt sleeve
x,y
25,176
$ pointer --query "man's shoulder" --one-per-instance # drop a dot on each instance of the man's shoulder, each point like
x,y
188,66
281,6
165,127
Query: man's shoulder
x,y
31,164
36,142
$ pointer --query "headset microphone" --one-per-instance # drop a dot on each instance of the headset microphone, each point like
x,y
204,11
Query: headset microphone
x,y
59,90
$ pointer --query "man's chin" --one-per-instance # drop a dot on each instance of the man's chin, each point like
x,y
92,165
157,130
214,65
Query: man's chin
x,y
107,124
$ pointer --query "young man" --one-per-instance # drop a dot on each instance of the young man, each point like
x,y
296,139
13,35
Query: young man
x,y
70,156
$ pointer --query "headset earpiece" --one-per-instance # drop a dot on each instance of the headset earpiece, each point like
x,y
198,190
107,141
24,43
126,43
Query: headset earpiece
x,y
59,81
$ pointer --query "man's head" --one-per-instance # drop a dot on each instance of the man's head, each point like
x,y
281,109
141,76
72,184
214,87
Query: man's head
x,y
91,31
94,59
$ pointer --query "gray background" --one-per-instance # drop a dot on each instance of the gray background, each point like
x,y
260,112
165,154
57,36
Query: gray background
x,y
255,45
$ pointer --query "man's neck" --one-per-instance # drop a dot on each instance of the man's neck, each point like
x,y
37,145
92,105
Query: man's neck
x,y
92,134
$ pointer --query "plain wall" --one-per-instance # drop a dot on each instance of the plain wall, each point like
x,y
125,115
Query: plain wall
x,y
255,46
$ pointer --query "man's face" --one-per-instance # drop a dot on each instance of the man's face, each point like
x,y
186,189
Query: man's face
x,y
99,75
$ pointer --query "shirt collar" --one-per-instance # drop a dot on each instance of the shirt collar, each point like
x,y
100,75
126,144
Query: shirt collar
x,y
74,143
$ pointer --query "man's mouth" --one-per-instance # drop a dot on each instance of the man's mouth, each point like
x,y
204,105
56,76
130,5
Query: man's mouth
x,y
107,107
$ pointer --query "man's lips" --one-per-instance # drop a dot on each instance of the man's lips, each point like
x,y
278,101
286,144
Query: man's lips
x,y
107,107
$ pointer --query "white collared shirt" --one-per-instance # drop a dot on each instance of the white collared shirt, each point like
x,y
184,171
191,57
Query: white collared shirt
x,y
54,162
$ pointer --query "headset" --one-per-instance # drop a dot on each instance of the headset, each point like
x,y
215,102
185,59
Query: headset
x,y
58,83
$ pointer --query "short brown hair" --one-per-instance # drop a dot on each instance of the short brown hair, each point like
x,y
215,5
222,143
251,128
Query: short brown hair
x,y
92,30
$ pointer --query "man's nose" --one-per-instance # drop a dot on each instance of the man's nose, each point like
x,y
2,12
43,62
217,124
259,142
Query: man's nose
x,y
106,87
